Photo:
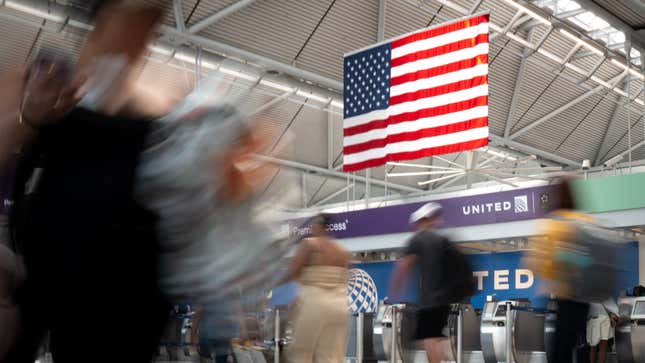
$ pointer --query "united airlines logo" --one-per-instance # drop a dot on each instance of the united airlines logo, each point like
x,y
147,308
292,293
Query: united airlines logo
x,y
362,294
519,204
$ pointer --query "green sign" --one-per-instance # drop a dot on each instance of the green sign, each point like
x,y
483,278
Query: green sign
x,y
612,193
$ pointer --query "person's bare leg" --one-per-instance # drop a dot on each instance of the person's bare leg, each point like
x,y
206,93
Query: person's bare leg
x,y
592,354
602,351
433,348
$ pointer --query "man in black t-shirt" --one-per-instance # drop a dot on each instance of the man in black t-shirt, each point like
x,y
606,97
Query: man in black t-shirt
x,y
424,251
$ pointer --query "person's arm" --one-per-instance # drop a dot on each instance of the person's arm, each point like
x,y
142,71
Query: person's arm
x,y
299,261
12,132
29,99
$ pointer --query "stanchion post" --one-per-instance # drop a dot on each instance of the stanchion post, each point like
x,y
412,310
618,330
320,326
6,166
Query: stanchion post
x,y
460,334
360,321
276,336
509,333
395,328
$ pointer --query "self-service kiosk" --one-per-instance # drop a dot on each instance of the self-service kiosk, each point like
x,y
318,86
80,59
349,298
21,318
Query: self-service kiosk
x,y
630,333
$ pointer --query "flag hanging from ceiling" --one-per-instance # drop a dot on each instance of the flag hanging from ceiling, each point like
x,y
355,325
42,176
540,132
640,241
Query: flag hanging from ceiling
x,y
422,94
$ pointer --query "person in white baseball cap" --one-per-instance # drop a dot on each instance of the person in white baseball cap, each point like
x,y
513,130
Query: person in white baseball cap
x,y
435,257
429,212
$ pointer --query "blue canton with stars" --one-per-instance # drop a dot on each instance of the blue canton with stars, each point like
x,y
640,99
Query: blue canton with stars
x,y
367,81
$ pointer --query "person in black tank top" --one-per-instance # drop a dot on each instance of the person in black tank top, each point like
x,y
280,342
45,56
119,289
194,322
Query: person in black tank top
x,y
89,248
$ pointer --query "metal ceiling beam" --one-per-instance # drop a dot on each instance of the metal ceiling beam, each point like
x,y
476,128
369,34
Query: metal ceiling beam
x,y
334,174
616,46
180,23
571,13
206,22
380,32
333,195
628,151
555,112
605,138
565,107
272,103
250,57
500,141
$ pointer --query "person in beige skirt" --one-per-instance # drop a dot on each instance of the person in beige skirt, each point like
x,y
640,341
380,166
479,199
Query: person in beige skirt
x,y
320,326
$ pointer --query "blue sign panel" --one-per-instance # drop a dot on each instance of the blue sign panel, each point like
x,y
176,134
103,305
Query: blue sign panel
x,y
497,274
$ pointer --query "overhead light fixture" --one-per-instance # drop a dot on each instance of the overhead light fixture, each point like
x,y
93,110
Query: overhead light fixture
x,y
337,104
312,96
276,85
15,5
419,173
528,11
192,59
499,154
185,57
160,50
440,178
392,163
640,102
578,40
238,74
625,66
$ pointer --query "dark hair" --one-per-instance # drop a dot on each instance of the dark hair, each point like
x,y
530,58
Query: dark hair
x,y
639,291
565,195
321,220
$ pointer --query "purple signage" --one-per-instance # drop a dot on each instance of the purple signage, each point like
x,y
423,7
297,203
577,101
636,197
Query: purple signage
x,y
508,206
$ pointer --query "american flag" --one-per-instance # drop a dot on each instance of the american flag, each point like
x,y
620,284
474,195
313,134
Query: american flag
x,y
422,94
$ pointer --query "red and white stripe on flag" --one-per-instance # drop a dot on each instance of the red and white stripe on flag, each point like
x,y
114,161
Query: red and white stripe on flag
x,y
422,94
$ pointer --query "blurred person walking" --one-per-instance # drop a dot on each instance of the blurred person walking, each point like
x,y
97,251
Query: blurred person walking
x,y
446,278
577,266
11,276
86,218
320,327
600,329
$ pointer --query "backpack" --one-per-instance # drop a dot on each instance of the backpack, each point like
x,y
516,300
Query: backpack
x,y
588,263
457,282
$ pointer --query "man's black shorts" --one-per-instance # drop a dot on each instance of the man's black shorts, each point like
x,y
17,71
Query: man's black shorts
x,y
431,321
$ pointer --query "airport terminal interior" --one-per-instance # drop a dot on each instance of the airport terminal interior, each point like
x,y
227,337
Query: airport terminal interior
x,y
368,111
